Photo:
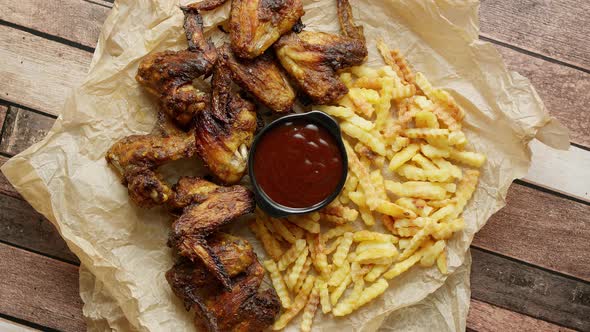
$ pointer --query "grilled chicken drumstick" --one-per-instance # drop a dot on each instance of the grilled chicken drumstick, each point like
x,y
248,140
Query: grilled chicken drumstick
x,y
312,58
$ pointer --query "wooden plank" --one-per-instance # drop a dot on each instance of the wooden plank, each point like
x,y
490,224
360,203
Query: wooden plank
x,y
37,72
530,290
40,290
484,317
556,29
23,128
10,326
563,89
73,20
567,172
3,110
21,225
541,229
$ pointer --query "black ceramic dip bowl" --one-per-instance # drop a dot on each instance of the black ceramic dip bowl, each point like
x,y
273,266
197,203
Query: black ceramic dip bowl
x,y
298,164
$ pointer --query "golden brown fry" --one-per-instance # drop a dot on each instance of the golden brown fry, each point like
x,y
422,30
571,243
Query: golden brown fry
x,y
270,244
310,308
298,304
291,254
278,283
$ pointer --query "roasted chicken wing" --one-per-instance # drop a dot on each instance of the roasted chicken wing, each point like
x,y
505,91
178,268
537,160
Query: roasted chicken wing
x,y
136,157
262,77
225,131
312,58
208,207
256,24
243,308
169,75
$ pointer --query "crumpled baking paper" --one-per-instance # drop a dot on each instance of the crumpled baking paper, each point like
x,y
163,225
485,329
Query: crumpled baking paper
x,y
123,249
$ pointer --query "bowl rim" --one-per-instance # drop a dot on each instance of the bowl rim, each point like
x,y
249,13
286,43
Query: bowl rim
x,y
275,209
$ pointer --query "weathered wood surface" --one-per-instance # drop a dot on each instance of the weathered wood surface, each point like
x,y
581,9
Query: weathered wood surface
x,y
83,19
563,88
37,72
530,290
484,317
23,128
3,111
47,296
541,229
557,29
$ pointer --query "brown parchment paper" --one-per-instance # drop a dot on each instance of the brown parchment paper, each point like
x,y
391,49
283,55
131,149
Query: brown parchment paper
x,y
123,248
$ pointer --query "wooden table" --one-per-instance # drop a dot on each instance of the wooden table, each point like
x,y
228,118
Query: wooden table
x,y
531,262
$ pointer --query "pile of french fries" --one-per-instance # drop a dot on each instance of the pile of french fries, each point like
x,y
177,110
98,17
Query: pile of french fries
x,y
338,258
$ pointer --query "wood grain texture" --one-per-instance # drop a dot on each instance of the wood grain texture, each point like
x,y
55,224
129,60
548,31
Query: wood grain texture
x,y
541,229
21,225
23,128
40,290
530,290
73,20
555,28
3,111
563,89
10,326
484,317
37,72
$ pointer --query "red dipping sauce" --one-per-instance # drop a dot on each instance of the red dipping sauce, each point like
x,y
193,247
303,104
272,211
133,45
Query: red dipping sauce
x,y
298,164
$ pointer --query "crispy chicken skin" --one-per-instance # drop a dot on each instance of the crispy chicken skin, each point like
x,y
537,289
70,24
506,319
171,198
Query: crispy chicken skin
x,y
168,75
225,132
243,307
136,157
256,24
262,77
207,208
312,58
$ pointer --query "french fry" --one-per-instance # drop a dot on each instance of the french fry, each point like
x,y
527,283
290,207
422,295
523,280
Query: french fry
x,y
417,239
394,210
445,165
338,291
325,298
353,130
270,244
473,159
407,231
432,253
399,143
444,116
372,292
401,62
378,183
403,156
411,172
464,191
342,250
403,265
404,243
365,235
364,99
305,222
293,275
298,304
377,261
348,114
441,263
336,232
321,264
359,199
278,283
332,247
425,133
369,250
361,172
438,96
444,230
424,162
457,138
346,78
426,119
303,274
364,71
297,231
338,214
425,190
387,58
405,117
310,308
384,105
283,231
349,304
443,212
376,271
432,151
291,254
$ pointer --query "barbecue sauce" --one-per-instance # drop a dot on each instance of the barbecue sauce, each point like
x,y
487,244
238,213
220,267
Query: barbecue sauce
x,y
298,164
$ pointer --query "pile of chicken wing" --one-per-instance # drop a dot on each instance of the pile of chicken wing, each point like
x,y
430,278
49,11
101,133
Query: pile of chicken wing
x,y
272,59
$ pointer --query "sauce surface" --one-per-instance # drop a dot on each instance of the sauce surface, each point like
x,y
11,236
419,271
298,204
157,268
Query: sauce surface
x,y
298,164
